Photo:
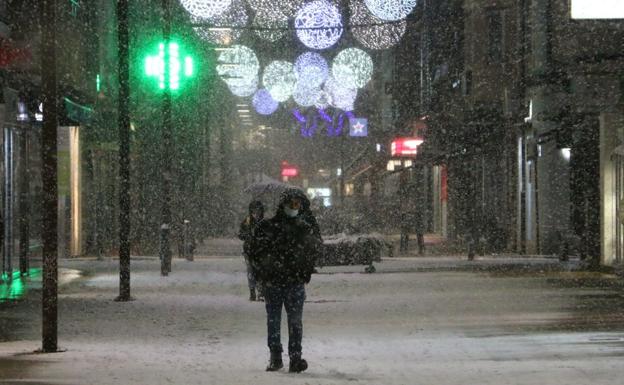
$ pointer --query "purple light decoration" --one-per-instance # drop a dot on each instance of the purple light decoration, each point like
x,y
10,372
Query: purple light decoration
x,y
337,129
307,126
264,103
300,118
324,115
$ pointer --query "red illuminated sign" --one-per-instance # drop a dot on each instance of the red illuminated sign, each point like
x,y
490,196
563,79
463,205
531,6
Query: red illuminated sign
x,y
290,171
405,146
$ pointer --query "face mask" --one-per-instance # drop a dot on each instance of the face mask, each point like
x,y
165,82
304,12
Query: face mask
x,y
290,212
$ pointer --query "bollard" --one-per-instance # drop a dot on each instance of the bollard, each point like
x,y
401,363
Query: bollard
x,y
187,241
165,250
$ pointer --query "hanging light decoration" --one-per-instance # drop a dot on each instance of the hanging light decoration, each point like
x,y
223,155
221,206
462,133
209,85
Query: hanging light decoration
x,y
311,69
290,7
287,8
323,100
340,96
264,103
371,31
391,10
319,24
206,9
269,26
224,29
306,97
352,67
243,89
280,80
238,67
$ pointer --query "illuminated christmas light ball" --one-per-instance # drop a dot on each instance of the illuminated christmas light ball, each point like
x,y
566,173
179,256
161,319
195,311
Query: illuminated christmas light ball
x,y
280,80
391,10
206,8
287,8
243,88
264,103
352,67
372,32
239,67
311,69
306,97
290,7
319,24
340,96
218,30
323,100
270,28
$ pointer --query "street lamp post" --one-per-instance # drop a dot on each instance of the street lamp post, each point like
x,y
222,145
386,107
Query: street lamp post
x,y
165,247
169,68
49,233
124,153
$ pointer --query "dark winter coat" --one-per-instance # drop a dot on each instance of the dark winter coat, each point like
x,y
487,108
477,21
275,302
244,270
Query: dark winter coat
x,y
246,233
248,227
286,248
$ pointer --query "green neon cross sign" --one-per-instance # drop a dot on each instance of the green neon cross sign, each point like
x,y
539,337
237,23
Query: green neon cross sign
x,y
178,68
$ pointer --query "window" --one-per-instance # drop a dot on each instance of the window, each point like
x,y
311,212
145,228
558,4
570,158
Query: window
x,y
592,9
467,81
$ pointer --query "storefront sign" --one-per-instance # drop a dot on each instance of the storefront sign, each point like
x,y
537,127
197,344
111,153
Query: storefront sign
x,y
405,146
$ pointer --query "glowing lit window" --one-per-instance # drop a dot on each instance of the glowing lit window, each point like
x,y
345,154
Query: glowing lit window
x,y
597,9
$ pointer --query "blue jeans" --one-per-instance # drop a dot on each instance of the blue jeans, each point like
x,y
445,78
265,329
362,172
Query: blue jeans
x,y
251,278
291,298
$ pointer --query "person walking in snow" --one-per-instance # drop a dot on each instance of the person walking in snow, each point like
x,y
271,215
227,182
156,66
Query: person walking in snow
x,y
246,234
287,246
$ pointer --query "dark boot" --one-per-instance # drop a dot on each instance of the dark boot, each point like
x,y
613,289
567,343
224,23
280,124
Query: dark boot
x,y
275,362
297,365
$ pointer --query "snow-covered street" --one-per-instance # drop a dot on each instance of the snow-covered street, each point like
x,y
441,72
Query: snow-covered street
x,y
415,321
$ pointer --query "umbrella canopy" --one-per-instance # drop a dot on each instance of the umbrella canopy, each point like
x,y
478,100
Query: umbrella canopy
x,y
268,186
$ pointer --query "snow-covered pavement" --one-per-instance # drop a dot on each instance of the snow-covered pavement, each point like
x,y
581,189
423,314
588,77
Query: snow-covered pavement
x,y
416,321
